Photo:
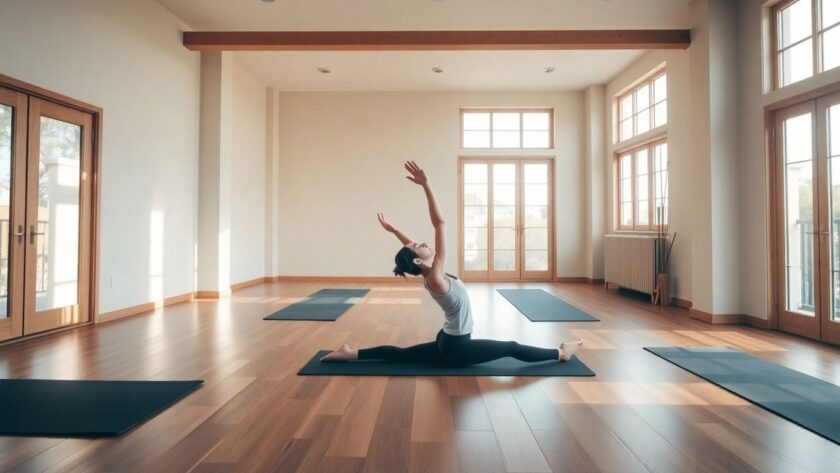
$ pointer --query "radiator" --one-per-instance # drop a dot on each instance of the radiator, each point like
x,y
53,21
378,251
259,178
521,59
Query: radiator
x,y
629,261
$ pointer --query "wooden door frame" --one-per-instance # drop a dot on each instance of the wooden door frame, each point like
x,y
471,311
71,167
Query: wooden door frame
x,y
489,159
829,331
96,161
771,194
12,325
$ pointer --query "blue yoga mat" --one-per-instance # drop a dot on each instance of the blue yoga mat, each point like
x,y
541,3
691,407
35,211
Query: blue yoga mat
x,y
324,305
59,408
804,400
502,367
540,306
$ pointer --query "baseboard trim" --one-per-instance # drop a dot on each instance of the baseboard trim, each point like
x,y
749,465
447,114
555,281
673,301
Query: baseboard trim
x,y
244,284
716,319
756,322
681,303
355,279
572,279
147,307
213,294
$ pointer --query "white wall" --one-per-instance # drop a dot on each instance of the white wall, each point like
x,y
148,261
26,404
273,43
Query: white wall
x,y
248,199
127,58
341,158
680,150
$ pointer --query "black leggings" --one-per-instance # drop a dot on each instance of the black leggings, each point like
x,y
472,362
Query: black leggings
x,y
459,350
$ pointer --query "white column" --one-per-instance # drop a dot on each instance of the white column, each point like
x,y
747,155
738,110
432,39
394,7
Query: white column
x,y
214,181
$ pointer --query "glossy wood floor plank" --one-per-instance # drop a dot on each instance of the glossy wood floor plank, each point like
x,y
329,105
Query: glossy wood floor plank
x,y
253,414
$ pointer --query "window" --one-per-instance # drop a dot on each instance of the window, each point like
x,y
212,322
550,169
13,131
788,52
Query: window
x,y
642,175
507,128
806,35
644,107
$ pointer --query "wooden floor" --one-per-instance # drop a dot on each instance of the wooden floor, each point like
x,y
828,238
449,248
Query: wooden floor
x,y
254,414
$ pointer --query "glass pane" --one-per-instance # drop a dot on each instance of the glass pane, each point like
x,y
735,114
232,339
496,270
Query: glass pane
x,y
536,173
476,139
626,129
504,216
536,216
660,88
834,130
506,121
627,213
5,204
506,139
642,213
643,98
834,202
504,194
475,260
795,23
536,194
830,13
535,121
626,191
642,161
660,114
536,238
477,121
475,194
57,259
475,173
658,185
660,157
660,211
535,139
642,186
797,139
475,216
504,173
643,121
626,107
830,48
799,242
625,166
504,238
475,238
797,63
536,260
504,260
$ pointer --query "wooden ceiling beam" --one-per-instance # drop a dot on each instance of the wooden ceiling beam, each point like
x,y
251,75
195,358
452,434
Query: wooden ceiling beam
x,y
434,40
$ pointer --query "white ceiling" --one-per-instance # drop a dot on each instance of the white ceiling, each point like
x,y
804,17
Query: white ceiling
x,y
411,70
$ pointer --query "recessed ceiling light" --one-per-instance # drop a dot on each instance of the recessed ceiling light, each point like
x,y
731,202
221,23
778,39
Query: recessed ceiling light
x,y
437,70
268,1
549,69
324,70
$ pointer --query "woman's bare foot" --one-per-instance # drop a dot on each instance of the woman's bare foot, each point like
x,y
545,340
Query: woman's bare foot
x,y
342,354
567,349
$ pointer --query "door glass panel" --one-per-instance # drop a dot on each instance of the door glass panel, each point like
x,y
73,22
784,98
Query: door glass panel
x,y
57,259
799,215
833,134
5,204
475,215
536,217
504,217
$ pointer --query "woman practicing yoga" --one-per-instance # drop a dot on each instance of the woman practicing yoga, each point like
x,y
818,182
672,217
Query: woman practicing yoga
x,y
453,345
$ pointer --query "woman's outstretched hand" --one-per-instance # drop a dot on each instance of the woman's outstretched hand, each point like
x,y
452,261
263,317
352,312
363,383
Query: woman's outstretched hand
x,y
387,226
417,175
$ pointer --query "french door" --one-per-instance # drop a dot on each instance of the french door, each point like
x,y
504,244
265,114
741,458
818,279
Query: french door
x,y
45,214
807,144
506,218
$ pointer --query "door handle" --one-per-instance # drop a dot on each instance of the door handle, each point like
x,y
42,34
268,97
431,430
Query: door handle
x,y
32,234
20,233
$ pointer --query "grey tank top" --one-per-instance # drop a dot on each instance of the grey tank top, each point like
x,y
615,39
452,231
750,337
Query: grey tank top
x,y
455,305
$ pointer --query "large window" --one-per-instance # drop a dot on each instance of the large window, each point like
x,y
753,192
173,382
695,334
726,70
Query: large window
x,y
643,187
806,40
643,107
507,128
